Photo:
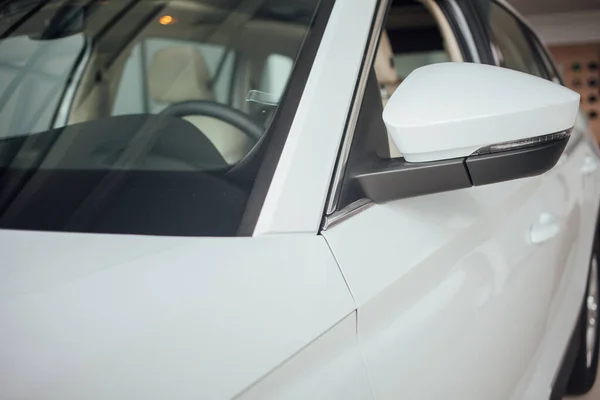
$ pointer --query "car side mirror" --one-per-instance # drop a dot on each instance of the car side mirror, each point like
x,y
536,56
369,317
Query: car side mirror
x,y
461,124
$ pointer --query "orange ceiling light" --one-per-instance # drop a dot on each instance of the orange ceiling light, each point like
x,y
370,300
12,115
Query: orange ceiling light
x,y
166,20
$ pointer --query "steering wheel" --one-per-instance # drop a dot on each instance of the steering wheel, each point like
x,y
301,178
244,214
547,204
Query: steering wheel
x,y
219,111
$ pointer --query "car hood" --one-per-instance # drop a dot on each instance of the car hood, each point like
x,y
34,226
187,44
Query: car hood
x,y
123,317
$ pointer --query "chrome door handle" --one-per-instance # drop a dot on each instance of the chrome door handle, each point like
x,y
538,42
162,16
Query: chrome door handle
x,y
589,166
545,228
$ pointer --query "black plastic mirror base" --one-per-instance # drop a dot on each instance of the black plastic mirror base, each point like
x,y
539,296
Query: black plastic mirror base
x,y
400,179
397,179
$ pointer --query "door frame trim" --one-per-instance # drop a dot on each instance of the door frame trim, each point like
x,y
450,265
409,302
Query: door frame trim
x,y
372,44
457,20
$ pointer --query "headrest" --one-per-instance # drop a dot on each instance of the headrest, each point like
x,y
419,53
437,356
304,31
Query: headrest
x,y
179,73
384,62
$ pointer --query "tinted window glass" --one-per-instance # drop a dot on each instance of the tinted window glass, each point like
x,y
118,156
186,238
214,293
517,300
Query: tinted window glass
x,y
509,45
134,93
411,39
33,74
142,116
545,57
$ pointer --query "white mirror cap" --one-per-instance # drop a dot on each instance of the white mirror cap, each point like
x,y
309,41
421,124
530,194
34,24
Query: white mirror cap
x,y
451,110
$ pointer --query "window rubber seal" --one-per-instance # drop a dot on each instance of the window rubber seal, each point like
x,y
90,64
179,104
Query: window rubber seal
x,y
451,17
479,29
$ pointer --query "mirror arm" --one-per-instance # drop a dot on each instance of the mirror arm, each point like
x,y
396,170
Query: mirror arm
x,y
392,179
397,179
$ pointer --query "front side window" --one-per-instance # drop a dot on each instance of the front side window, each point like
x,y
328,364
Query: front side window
x,y
416,34
510,46
140,116
551,70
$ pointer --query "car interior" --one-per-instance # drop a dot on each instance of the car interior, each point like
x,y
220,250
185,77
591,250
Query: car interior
x,y
191,57
416,34
182,89
161,104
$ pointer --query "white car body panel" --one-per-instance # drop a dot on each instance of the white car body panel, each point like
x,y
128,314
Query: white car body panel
x,y
332,367
542,372
441,296
440,281
158,318
299,187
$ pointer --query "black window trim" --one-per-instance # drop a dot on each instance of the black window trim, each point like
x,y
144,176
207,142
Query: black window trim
x,y
536,53
332,206
531,36
459,35
377,23
487,39
545,57
525,31
480,32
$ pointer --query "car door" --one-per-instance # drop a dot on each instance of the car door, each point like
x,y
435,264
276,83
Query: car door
x,y
515,46
589,155
455,291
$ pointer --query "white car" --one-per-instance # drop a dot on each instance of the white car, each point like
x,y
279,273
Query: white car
x,y
291,199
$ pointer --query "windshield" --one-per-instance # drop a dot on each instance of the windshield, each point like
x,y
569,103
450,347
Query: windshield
x,y
140,116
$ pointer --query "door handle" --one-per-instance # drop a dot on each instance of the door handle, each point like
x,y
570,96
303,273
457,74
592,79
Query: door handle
x,y
545,228
589,166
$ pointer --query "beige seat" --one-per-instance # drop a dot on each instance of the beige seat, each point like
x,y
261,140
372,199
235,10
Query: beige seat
x,y
387,77
384,68
180,73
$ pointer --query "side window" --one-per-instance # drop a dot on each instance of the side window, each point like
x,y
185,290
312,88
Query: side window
x,y
416,34
412,38
510,47
553,74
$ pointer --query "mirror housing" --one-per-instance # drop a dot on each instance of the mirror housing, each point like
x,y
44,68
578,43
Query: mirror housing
x,y
461,124
451,110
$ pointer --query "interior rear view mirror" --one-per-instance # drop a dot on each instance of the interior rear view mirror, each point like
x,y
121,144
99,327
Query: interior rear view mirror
x,y
66,21
464,124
